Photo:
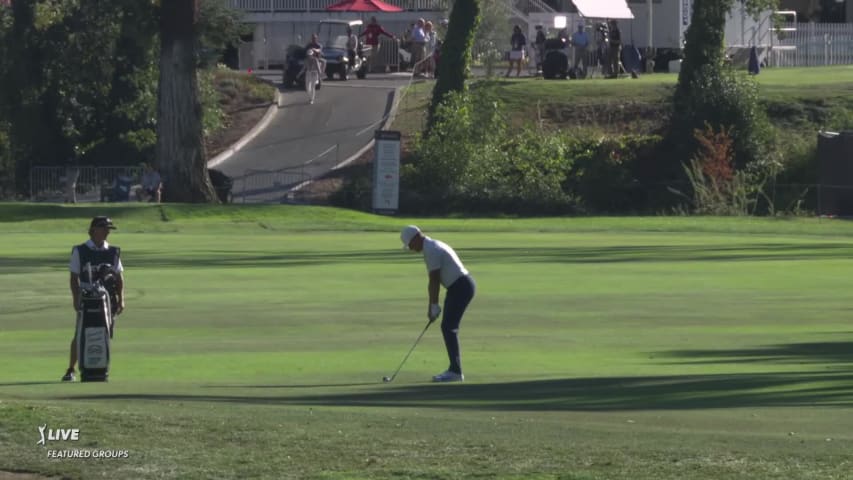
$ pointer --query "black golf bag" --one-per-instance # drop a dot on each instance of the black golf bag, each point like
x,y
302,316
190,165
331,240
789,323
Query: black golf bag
x,y
95,324
556,61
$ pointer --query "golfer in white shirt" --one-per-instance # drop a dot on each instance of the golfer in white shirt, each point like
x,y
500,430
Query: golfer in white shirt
x,y
446,269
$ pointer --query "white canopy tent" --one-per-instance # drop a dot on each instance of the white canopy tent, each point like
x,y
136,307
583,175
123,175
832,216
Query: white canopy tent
x,y
603,8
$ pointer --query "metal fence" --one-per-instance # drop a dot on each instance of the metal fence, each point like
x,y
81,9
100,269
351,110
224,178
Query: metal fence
x,y
285,186
268,186
98,184
812,44
78,184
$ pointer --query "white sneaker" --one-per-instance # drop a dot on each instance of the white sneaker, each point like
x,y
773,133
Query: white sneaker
x,y
448,376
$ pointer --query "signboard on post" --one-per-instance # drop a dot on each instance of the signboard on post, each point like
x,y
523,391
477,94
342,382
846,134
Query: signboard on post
x,y
386,171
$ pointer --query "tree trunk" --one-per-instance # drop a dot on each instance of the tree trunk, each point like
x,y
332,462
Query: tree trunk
x,y
455,52
704,41
181,157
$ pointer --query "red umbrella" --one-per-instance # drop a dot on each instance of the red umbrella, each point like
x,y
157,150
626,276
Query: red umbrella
x,y
363,6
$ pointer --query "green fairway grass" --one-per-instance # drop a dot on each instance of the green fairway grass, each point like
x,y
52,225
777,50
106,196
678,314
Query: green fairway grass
x,y
256,337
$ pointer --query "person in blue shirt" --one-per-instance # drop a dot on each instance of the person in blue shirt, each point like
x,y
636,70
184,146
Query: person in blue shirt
x,y
580,43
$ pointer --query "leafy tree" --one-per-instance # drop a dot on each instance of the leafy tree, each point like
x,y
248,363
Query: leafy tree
x,y
180,150
7,165
76,78
219,25
710,92
704,37
455,52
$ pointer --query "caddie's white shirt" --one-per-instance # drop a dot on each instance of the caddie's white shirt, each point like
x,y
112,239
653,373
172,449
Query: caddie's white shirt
x,y
74,265
439,256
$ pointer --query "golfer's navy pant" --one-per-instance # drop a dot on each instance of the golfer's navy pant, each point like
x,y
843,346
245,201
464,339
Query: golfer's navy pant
x,y
456,300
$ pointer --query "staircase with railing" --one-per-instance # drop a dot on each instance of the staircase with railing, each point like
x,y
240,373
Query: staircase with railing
x,y
520,10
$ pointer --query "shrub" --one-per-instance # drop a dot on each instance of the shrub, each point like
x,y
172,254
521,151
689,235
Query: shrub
x,y
523,175
465,127
613,174
722,97
473,162
717,187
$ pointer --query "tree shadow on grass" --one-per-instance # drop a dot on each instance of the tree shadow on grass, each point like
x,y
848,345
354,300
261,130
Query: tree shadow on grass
x,y
836,355
23,212
20,384
676,392
568,255
316,385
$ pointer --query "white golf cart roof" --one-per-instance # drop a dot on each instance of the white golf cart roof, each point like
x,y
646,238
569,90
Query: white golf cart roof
x,y
332,34
351,23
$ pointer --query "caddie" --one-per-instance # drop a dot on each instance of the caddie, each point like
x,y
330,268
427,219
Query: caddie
x,y
95,252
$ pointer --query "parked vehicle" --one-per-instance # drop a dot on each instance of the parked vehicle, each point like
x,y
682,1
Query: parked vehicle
x,y
333,38
292,74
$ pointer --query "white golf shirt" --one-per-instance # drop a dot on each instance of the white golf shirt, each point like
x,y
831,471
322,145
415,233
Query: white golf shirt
x,y
74,265
439,256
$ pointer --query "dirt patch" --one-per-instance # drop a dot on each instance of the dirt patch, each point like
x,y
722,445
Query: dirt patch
x,y
323,190
239,120
628,117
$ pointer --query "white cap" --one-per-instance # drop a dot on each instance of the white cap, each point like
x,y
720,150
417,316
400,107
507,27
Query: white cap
x,y
408,234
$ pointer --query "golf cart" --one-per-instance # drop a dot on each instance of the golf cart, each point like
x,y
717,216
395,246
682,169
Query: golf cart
x,y
333,37
332,34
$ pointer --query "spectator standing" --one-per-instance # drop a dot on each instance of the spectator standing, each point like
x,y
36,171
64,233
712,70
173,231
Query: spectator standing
x,y
539,47
580,43
615,38
352,46
516,54
72,173
371,35
431,42
418,48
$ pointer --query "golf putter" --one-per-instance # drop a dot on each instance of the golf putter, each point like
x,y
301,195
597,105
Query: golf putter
x,y
392,377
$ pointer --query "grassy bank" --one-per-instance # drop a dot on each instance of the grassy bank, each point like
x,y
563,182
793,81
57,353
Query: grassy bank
x,y
798,99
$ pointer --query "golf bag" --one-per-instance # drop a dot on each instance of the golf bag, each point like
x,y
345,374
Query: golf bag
x,y
95,324
556,61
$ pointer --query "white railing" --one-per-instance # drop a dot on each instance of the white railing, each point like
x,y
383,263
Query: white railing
x,y
257,6
531,6
813,44
268,186
89,183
